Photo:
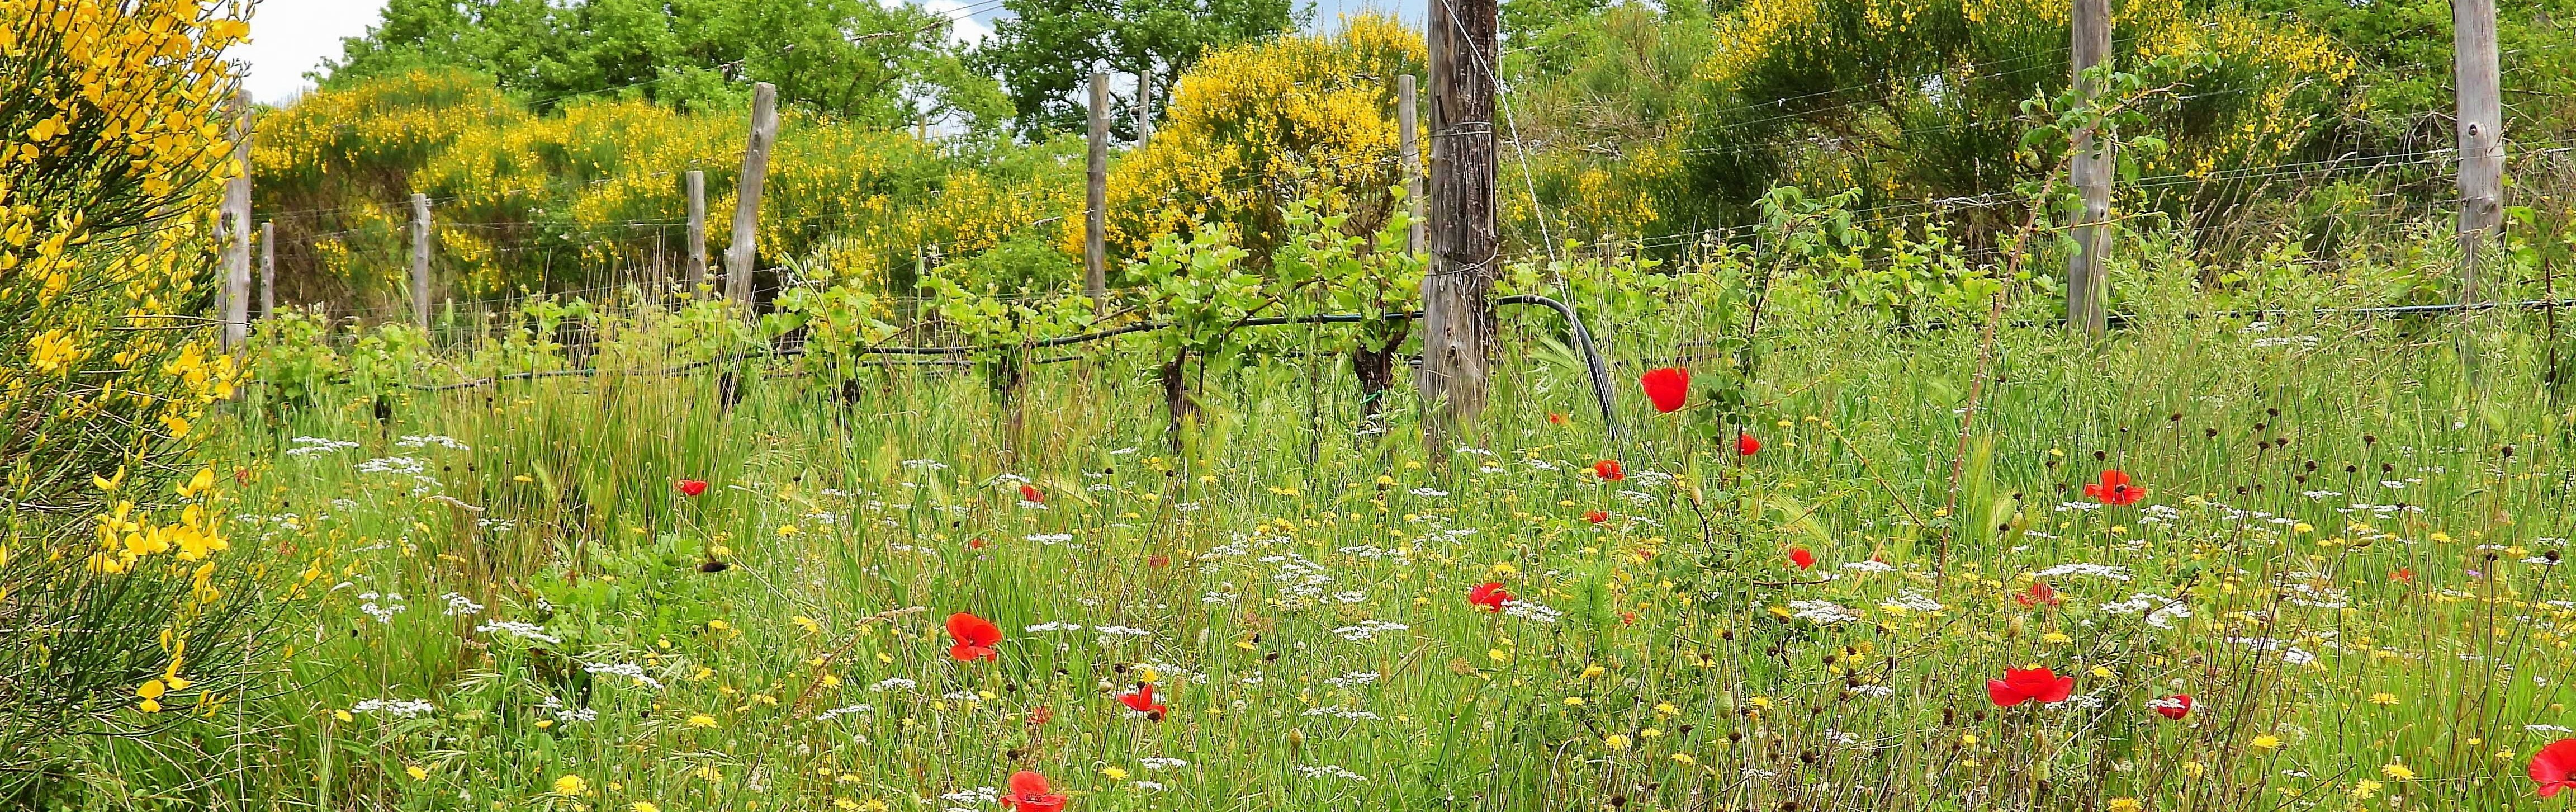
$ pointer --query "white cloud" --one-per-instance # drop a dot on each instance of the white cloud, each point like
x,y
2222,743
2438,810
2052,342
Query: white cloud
x,y
289,37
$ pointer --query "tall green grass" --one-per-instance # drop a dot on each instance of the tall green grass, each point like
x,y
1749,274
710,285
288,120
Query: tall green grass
x,y
1297,590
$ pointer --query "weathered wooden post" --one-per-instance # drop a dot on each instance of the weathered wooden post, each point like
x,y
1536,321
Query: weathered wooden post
x,y
1407,128
1095,217
420,261
267,270
1144,103
740,258
236,289
1457,303
697,183
2087,299
2481,137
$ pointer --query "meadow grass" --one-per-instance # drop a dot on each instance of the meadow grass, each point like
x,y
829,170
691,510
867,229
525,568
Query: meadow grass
x,y
2344,557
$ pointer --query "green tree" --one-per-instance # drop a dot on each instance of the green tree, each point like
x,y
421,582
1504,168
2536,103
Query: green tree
x,y
886,64
1046,51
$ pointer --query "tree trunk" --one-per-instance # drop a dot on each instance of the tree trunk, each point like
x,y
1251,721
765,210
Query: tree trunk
x,y
1375,367
1176,395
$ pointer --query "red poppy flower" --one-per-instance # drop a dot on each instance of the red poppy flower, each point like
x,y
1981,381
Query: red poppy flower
x,y
2555,767
1803,557
2021,685
1745,445
976,543
1041,715
691,487
1557,418
1142,701
1668,387
1608,470
975,637
2039,593
1031,493
1029,794
1597,516
2173,707
2403,575
1490,595
2114,489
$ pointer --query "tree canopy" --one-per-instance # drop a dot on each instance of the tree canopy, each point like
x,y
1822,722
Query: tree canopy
x,y
857,59
1047,49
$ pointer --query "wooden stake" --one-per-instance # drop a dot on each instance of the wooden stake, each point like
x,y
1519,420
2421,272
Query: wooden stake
x,y
1457,301
420,261
1095,217
740,258
267,270
1145,104
1407,130
236,296
697,188
2086,282
2481,135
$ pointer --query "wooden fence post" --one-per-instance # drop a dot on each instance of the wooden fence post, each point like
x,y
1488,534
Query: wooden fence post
x,y
420,261
1408,128
2087,300
236,296
740,258
267,270
2481,136
1457,302
1145,103
1095,216
697,184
